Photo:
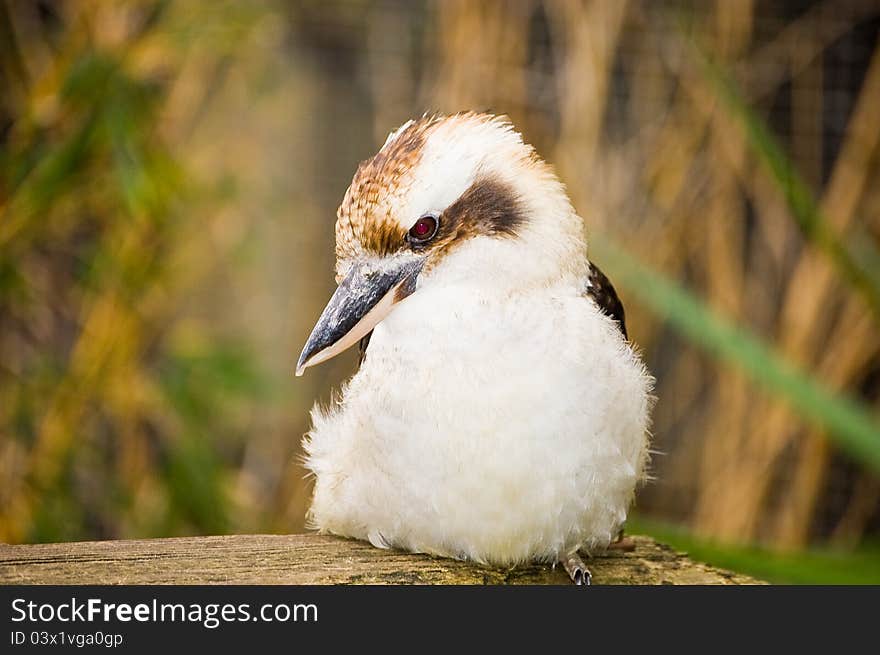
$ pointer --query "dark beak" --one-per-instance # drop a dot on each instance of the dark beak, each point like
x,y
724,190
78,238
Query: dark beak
x,y
366,296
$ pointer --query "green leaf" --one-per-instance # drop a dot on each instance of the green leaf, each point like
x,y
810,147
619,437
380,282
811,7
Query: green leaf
x,y
858,268
813,566
848,422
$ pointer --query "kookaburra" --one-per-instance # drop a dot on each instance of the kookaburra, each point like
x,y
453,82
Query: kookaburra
x,y
499,413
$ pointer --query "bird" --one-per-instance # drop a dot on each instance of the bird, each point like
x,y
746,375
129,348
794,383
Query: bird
x,y
499,413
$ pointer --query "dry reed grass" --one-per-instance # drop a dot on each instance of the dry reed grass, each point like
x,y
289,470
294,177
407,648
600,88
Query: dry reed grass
x,y
264,113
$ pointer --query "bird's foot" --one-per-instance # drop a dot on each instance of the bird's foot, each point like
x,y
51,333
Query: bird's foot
x,y
623,543
576,569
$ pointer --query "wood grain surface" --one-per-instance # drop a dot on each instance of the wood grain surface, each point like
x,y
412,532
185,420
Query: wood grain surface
x,y
318,559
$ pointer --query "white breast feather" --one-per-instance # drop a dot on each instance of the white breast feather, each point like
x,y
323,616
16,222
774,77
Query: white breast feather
x,y
485,424
499,416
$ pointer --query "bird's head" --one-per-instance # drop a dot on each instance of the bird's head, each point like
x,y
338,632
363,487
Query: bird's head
x,y
458,197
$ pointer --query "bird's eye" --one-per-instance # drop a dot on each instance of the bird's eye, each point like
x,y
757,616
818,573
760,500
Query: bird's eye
x,y
423,229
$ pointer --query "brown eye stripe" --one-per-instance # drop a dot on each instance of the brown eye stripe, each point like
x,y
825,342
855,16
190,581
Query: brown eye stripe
x,y
488,207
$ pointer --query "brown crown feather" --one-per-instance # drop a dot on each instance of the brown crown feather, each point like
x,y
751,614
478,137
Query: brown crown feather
x,y
365,225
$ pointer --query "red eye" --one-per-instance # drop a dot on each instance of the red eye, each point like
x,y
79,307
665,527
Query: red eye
x,y
423,229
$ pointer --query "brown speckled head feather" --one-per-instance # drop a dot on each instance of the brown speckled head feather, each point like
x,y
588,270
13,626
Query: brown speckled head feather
x,y
365,225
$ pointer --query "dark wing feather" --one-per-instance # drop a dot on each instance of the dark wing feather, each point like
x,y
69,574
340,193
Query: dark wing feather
x,y
601,292
362,347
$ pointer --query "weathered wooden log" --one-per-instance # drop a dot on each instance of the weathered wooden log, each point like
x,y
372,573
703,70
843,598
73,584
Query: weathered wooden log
x,y
317,559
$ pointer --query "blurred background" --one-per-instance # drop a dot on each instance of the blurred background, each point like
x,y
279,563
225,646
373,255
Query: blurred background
x,y
169,175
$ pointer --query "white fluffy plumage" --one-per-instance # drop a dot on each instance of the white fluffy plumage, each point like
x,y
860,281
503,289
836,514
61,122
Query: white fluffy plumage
x,y
499,415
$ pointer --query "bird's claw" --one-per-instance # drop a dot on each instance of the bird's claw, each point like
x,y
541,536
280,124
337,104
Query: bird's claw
x,y
583,577
577,571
